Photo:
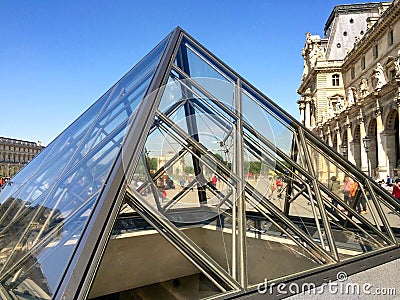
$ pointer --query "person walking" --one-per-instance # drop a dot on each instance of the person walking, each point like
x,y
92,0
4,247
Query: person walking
x,y
346,189
396,192
334,187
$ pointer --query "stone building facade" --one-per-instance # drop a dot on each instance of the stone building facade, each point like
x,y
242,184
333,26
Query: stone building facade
x,y
350,88
15,154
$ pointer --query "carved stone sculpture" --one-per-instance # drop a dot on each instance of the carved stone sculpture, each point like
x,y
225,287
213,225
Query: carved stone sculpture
x,y
350,97
397,63
380,76
311,52
364,88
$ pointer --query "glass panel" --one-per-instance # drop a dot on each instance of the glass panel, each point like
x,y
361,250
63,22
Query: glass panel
x,y
23,176
207,75
118,112
268,172
345,186
264,129
171,273
39,269
172,94
175,186
269,243
37,222
218,90
306,214
216,137
391,210
351,236
177,92
188,186
54,157
261,172
265,124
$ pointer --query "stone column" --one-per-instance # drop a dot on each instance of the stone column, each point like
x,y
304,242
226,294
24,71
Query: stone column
x,y
338,139
350,144
390,139
364,158
329,139
380,140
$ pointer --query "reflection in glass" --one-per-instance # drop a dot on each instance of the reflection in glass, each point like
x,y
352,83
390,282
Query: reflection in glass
x,y
269,244
36,271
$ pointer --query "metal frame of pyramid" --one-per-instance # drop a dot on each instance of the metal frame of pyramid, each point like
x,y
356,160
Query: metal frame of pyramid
x,y
59,212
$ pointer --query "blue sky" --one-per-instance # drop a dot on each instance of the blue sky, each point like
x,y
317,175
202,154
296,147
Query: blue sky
x,y
58,57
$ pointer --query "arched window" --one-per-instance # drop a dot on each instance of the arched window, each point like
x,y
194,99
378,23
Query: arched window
x,y
335,80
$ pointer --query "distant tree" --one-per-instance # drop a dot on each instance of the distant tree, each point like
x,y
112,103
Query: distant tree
x,y
255,167
220,158
188,170
152,163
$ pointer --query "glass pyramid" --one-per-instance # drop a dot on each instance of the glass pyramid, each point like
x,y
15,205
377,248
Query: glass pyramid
x,y
185,181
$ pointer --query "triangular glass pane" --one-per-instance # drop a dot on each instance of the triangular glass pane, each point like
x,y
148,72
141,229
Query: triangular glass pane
x,y
206,73
345,186
265,126
36,267
306,213
185,196
172,97
353,234
391,211
269,242
151,268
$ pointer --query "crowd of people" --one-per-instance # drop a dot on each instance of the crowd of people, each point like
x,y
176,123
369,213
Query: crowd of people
x,y
348,191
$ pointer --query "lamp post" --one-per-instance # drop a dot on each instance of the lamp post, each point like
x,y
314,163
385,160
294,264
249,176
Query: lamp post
x,y
344,147
367,142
